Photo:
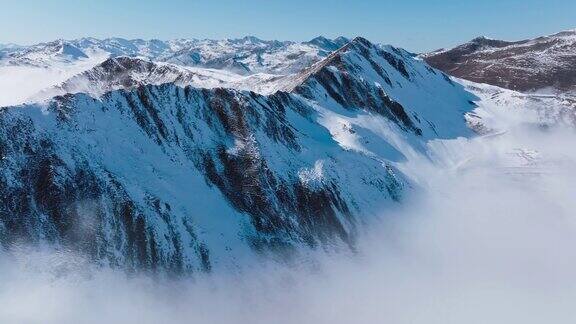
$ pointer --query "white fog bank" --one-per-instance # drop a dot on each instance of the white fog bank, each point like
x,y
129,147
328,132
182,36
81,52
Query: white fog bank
x,y
491,238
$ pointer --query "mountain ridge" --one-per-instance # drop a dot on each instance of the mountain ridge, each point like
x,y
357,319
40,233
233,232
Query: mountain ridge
x,y
545,62
183,178
243,55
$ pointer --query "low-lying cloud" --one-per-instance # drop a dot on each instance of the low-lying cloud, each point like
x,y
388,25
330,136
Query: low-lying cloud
x,y
490,238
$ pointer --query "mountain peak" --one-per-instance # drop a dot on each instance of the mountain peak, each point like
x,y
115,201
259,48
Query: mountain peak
x,y
249,39
480,39
486,41
361,40
71,51
319,39
341,39
252,39
328,44
564,33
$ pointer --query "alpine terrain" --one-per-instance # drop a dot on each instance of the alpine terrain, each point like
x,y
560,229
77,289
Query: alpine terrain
x,y
544,63
192,155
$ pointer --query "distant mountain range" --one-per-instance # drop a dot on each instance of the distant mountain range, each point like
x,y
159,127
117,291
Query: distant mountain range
x,y
243,56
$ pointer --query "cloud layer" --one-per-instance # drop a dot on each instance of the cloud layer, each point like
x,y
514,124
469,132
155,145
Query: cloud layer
x,y
489,239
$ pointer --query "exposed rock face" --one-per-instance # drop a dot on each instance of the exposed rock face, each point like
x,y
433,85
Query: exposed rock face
x,y
339,77
528,65
91,175
386,81
126,73
168,176
129,72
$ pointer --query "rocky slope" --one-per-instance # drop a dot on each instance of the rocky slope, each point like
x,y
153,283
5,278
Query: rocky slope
x,y
527,65
128,72
143,174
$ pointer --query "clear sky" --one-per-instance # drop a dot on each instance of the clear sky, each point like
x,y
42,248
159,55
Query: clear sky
x,y
417,25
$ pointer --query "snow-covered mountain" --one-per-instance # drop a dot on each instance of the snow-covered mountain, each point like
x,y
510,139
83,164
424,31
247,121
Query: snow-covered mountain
x,y
128,72
140,162
243,56
527,65
7,48
245,63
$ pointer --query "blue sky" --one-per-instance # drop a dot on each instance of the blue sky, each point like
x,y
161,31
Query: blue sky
x,y
416,25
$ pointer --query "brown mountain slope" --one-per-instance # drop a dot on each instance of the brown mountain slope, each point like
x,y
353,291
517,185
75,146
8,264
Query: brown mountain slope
x,y
527,65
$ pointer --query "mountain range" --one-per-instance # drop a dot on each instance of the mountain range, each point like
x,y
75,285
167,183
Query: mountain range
x,y
244,56
190,155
